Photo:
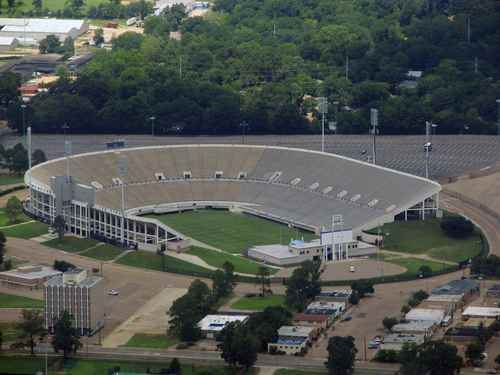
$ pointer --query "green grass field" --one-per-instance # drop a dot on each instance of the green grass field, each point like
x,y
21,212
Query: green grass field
x,y
258,303
217,259
52,5
142,340
144,259
412,265
28,230
103,252
427,237
12,301
71,244
231,232
4,220
11,179
30,365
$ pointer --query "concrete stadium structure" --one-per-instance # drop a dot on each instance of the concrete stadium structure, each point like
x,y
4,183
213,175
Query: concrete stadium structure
x,y
105,193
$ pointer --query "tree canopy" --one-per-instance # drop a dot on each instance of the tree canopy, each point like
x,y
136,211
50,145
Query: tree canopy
x,y
263,61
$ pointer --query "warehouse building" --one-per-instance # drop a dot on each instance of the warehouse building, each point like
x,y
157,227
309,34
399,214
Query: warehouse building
x,y
396,341
481,312
425,328
82,296
28,29
467,289
211,325
429,315
292,339
8,43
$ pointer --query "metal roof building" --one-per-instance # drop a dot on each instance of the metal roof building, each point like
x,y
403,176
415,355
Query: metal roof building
x,y
40,28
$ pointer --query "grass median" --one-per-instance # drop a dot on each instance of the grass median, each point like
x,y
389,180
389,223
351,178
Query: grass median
x,y
258,303
27,230
20,302
71,244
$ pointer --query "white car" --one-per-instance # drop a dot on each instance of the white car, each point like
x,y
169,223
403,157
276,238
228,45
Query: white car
x,y
113,292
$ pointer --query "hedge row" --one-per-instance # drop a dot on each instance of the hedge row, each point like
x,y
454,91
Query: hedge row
x,y
11,190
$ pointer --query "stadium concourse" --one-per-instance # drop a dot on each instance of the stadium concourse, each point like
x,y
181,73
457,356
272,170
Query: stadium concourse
x,y
105,193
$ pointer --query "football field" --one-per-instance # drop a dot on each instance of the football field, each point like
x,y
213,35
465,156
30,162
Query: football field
x,y
231,232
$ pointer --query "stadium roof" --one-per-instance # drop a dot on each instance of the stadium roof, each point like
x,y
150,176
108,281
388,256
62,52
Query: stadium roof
x,y
290,185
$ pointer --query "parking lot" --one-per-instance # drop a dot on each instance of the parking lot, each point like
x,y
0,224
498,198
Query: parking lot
x,y
451,155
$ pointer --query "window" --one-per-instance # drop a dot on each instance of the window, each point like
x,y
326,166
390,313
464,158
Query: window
x,y
242,175
187,175
218,174
160,176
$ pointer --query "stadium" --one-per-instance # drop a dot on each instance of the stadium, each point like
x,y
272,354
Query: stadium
x,y
106,194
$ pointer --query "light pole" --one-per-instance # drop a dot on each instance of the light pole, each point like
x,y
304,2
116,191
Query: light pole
x,y
67,150
374,130
498,116
243,127
29,168
23,108
427,146
323,108
152,118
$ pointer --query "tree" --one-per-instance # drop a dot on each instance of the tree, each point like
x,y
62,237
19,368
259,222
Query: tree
x,y
263,279
98,37
63,266
37,5
38,157
389,322
425,271
354,298
175,366
497,360
31,330
362,287
13,209
265,324
65,337
341,355
303,285
238,346
432,358
59,225
51,44
3,240
474,352
456,226
405,309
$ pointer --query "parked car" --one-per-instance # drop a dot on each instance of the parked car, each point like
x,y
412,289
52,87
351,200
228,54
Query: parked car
x,y
373,344
352,269
113,292
347,318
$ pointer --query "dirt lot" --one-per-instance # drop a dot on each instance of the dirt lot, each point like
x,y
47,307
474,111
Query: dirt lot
x,y
150,318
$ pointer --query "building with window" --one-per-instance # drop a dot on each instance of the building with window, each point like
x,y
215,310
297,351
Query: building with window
x,y
292,339
81,295
211,325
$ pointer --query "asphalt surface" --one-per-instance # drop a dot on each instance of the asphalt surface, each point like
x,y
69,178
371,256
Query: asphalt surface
x,y
452,155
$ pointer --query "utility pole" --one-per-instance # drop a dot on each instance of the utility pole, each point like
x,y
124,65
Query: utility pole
x,y
152,118
29,168
498,116
374,129
323,108
243,127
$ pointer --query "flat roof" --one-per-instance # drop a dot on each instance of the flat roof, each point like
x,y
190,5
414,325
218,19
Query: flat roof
x,y
425,314
416,326
295,331
90,281
40,25
482,311
276,251
44,272
218,322
456,287
325,305
302,317
401,338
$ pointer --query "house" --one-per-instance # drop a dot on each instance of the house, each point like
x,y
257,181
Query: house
x,y
292,339
211,325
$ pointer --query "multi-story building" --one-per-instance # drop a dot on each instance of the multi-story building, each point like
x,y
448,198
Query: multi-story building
x,y
82,296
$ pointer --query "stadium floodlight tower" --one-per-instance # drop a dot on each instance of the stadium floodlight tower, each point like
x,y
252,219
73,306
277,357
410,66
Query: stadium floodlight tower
x,y
429,126
122,166
374,131
152,119
323,109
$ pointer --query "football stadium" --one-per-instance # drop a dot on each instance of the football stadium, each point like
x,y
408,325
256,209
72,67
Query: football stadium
x,y
114,194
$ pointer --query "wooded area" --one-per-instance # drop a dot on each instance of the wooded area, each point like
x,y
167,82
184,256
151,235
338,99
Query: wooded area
x,y
263,62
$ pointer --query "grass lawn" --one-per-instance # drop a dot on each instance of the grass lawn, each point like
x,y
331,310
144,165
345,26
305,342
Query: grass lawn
x,y
52,5
217,259
145,259
412,265
28,230
9,331
11,179
142,340
231,232
103,252
29,365
258,303
427,237
12,301
71,244
4,220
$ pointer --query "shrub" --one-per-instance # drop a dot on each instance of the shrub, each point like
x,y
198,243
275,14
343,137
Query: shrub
x,y
63,266
386,356
456,226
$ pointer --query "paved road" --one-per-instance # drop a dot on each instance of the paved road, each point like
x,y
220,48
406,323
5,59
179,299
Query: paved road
x,y
452,155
